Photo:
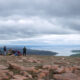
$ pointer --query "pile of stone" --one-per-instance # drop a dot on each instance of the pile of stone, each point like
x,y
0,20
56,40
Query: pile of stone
x,y
45,72
32,60
5,74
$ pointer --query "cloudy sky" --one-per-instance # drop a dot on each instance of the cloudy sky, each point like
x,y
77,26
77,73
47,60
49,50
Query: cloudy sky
x,y
40,22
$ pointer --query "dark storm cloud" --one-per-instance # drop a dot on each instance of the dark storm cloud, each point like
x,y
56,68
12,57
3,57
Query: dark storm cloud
x,y
45,16
40,7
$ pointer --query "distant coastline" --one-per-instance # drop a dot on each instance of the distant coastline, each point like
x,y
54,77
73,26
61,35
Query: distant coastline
x,y
32,51
61,50
40,52
77,53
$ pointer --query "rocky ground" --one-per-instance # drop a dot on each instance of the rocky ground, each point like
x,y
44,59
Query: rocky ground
x,y
34,67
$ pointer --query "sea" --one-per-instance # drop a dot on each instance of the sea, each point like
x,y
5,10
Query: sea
x,y
62,50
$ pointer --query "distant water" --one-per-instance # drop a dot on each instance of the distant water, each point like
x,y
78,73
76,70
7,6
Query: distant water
x,y
61,49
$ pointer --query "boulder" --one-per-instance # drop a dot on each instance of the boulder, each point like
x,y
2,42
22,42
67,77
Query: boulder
x,y
46,72
20,61
69,69
41,75
30,69
62,69
59,70
66,76
26,74
54,67
31,60
19,77
5,74
3,67
16,67
46,66
76,67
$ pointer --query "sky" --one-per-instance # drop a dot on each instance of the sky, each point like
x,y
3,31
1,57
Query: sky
x,y
40,22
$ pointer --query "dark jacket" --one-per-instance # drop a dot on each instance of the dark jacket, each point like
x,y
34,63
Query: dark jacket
x,y
24,50
4,48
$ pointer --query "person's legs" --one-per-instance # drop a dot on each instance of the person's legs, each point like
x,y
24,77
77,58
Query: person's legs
x,y
4,53
23,54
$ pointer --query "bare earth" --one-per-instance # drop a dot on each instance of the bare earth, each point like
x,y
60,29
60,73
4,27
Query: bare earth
x,y
34,67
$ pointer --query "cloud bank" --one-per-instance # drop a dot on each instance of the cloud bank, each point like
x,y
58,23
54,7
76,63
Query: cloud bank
x,y
25,19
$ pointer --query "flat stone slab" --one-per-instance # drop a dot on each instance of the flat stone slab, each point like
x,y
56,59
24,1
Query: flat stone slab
x,y
2,67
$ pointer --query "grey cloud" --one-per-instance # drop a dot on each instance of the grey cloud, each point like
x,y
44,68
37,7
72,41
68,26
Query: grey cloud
x,y
40,7
65,12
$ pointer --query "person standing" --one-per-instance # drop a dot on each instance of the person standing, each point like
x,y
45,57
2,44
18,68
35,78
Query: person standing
x,y
0,52
5,50
24,51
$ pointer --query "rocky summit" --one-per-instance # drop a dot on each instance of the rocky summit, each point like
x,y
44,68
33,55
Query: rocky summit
x,y
34,67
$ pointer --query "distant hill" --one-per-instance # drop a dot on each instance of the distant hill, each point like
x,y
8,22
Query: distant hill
x,y
33,52
77,53
41,52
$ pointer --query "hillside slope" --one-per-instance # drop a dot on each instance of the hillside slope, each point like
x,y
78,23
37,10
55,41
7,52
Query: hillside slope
x,y
36,67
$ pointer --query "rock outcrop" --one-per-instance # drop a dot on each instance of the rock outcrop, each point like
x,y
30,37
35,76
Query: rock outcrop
x,y
25,68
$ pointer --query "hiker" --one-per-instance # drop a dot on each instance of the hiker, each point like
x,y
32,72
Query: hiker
x,y
9,52
19,53
5,50
13,51
24,51
16,54
0,52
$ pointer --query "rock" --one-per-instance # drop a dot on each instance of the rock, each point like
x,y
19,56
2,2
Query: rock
x,y
16,67
46,66
60,70
69,69
46,72
35,71
20,61
19,77
66,76
63,58
51,67
31,60
26,74
41,75
10,73
40,70
59,63
4,74
77,67
23,58
21,68
68,63
3,67
77,72
30,69
54,67
4,71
